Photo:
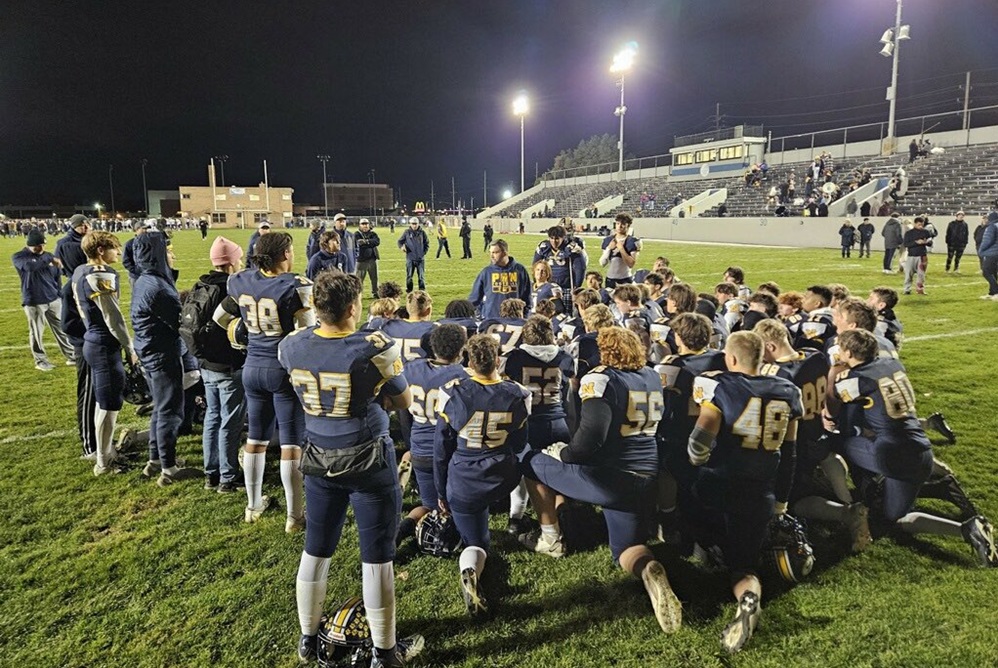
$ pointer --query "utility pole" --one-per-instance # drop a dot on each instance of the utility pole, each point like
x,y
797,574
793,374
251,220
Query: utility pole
x,y
432,198
323,158
966,103
485,189
110,179
453,200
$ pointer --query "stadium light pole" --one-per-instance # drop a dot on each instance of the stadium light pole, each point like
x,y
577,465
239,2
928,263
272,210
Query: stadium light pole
x,y
145,192
222,159
323,158
891,39
521,105
621,64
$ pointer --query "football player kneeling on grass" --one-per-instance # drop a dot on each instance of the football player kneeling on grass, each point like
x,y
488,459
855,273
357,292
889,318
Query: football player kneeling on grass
x,y
875,407
745,421
348,458
612,461
481,426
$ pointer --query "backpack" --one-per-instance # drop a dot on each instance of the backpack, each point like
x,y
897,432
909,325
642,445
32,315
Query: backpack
x,y
196,321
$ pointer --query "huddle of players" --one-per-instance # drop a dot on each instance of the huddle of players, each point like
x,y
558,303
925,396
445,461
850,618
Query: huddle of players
x,y
805,384
701,431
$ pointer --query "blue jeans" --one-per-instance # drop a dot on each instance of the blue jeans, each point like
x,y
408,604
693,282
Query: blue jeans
x,y
418,267
223,423
165,373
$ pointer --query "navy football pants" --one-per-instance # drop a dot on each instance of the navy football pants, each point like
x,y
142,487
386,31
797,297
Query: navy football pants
x,y
269,394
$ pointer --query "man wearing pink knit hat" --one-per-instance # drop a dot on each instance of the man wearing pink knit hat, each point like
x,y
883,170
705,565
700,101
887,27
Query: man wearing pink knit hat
x,y
221,368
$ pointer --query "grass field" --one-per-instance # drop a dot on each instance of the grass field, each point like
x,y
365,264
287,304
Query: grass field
x,y
119,572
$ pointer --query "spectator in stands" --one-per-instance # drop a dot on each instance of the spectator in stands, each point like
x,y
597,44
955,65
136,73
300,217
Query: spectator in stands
x,y
864,209
722,210
892,241
988,252
851,207
866,230
957,236
884,209
912,151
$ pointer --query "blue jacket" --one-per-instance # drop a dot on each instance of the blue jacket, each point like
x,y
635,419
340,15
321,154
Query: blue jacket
x,y
496,284
349,249
323,260
989,244
312,245
415,243
128,258
70,252
155,301
40,282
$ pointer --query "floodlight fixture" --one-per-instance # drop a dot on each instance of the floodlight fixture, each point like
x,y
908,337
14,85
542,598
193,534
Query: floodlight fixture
x,y
521,105
624,58
887,37
507,193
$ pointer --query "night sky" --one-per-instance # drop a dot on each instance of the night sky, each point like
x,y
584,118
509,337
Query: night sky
x,y
422,90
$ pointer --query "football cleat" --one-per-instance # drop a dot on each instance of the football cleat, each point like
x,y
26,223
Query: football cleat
x,y
979,534
113,468
405,650
126,440
736,634
294,524
540,542
668,609
937,422
253,514
474,602
307,648
859,527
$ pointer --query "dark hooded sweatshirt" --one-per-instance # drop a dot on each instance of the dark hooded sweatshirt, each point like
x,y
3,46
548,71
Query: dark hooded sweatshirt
x,y
155,301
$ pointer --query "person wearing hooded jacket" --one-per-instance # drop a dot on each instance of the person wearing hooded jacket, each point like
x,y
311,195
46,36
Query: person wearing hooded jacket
x,y
155,314
504,279
988,253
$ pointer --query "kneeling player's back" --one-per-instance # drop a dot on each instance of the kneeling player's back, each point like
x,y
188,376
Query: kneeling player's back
x,y
488,416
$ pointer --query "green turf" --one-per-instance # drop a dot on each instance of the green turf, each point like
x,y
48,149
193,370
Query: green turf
x,y
119,572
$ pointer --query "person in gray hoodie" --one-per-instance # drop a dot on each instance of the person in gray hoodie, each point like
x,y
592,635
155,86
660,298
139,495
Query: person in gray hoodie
x,y
893,236
155,313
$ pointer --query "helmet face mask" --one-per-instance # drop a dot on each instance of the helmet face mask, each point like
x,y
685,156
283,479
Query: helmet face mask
x,y
437,536
345,637
136,390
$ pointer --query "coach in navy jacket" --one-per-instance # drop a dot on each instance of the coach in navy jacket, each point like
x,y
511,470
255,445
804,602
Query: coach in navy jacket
x,y
156,323
416,245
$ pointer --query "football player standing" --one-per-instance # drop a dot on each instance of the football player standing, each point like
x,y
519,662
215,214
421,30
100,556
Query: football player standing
x,y
345,381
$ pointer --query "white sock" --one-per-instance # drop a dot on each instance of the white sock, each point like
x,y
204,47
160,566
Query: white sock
x,y
552,531
104,422
518,501
253,464
379,603
835,469
472,557
293,481
817,508
310,591
914,523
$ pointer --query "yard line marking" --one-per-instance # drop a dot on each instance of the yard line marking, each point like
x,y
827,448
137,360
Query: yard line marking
x,y
950,335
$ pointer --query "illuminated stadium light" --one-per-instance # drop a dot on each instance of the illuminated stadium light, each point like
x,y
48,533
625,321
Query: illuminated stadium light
x,y
521,105
624,58
622,62
507,193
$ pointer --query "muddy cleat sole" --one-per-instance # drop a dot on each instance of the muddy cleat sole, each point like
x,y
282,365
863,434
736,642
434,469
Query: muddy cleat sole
x,y
859,527
737,633
294,524
474,602
979,534
253,514
668,609
937,422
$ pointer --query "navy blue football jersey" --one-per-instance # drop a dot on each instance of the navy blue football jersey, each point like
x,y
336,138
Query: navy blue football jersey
x,y
409,333
479,421
816,330
271,307
808,370
337,379
545,371
470,324
637,405
793,323
543,292
89,281
884,349
507,331
585,351
882,401
889,327
755,412
426,379
677,373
